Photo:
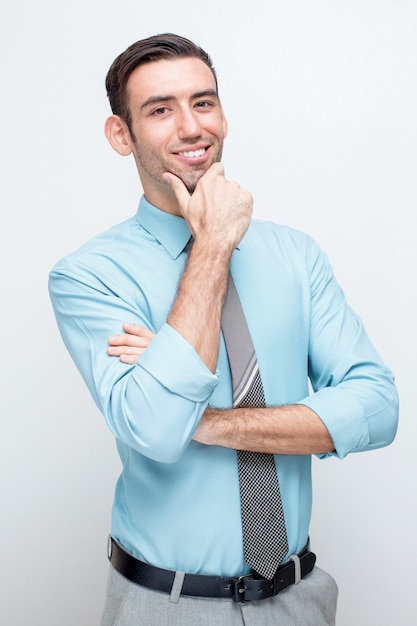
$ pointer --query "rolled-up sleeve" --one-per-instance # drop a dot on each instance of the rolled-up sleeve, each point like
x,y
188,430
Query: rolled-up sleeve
x,y
354,392
154,406
159,405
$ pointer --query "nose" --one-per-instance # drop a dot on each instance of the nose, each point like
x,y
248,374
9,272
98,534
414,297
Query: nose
x,y
188,124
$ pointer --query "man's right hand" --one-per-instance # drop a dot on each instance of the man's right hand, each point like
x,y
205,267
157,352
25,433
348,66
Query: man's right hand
x,y
218,214
218,211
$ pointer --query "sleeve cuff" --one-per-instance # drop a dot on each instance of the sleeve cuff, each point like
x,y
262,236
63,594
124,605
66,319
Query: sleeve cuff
x,y
176,365
344,418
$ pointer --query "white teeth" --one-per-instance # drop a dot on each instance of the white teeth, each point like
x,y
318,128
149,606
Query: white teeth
x,y
192,154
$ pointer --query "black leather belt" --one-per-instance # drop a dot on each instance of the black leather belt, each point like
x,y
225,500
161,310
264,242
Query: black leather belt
x,y
242,589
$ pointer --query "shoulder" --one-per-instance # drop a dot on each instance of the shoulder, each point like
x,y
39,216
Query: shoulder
x,y
267,235
104,246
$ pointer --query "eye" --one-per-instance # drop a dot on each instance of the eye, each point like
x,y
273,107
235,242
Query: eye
x,y
160,111
204,104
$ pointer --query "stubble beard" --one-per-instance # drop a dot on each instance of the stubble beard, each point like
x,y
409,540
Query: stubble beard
x,y
154,167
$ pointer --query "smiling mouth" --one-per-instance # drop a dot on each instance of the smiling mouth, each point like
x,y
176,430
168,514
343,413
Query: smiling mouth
x,y
193,154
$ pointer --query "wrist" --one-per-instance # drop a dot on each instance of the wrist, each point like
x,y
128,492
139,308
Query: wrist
x,y
212,246
214,428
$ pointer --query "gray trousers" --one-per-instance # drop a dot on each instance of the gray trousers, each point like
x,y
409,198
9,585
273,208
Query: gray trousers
x,y
312,602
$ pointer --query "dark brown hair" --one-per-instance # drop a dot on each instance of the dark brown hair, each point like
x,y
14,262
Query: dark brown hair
x,y
155,48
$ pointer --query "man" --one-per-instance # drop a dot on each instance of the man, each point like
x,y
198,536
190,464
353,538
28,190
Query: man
x,y
158,284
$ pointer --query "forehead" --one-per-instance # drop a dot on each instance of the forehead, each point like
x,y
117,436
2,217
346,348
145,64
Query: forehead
x,y
169,77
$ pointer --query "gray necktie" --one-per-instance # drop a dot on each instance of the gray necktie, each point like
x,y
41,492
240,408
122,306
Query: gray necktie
x,y
263,525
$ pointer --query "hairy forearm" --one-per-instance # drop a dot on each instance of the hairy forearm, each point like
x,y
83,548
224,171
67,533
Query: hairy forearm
x,y
196,313
218,213
292,429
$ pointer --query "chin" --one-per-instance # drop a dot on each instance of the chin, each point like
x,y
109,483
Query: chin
x,y
191,188
191,182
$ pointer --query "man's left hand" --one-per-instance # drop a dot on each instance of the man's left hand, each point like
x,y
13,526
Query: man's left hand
x,y
130,345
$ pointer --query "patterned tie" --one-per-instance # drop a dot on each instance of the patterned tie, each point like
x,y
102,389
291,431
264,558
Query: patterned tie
x,y
263,525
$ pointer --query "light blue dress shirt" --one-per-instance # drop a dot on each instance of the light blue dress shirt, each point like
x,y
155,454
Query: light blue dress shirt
x,y
177,501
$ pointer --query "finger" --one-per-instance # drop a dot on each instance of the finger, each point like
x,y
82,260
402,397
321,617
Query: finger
x,y
129,359
216,169
180,190
119,350
129,340
138,330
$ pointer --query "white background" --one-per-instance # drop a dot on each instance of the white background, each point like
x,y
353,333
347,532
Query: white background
x,y
321,97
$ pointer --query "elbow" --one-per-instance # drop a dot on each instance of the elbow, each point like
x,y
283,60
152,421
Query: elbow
x,y
392,421
383,426
161,450
160,440
150,419
393,427
152,443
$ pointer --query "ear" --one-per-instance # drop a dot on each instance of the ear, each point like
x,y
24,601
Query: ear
x,y
118,135
225,124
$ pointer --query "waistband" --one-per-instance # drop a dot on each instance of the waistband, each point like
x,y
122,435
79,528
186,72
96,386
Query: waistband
x,y
240,589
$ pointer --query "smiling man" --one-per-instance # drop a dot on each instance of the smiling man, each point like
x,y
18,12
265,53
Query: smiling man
x,y
196,296
175,124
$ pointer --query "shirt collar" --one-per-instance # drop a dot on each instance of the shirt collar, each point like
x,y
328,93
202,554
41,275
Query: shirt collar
x,y
169,230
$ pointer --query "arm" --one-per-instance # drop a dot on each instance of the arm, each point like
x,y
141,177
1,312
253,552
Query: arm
x,y
218,214
292,429
154,406
354,406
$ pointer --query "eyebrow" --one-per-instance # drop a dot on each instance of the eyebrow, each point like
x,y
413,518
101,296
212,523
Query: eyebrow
x,y
160,99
